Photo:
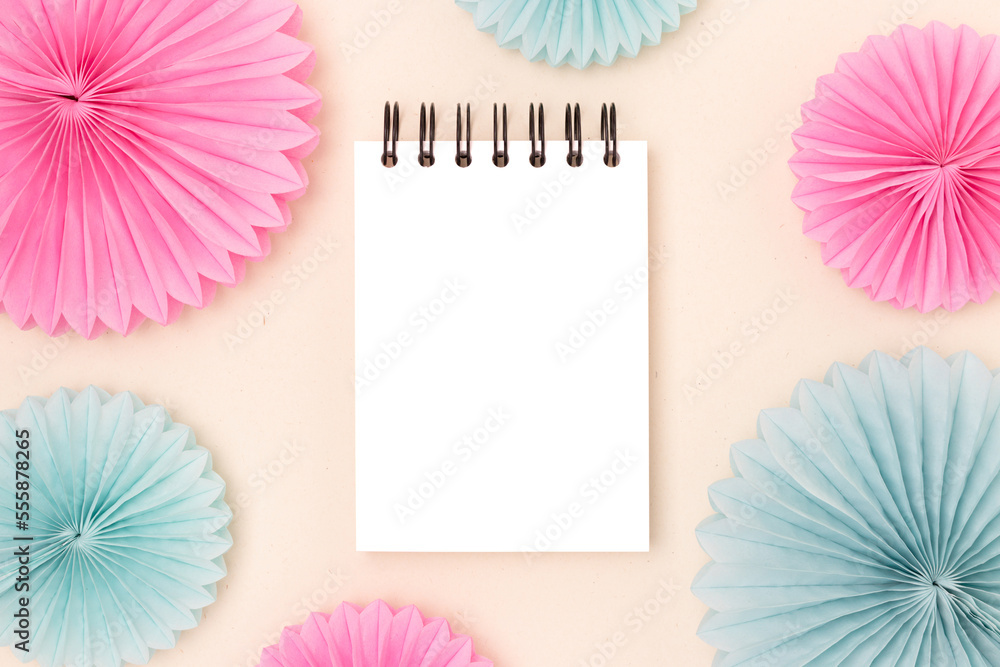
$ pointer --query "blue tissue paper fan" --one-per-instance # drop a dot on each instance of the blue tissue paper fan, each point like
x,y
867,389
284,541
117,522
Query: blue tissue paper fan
x,y
578,32
863,526
124,527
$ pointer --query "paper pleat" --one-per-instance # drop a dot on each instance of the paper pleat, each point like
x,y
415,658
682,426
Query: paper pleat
x,y
899,167
146,150
375,636
863,525
577,32
128,525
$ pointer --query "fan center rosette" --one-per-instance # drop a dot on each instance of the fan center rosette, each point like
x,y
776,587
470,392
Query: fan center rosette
x,y
147,148
118,537
862,527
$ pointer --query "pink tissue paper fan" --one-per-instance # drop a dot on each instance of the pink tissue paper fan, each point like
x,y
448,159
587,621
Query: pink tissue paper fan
x,y
147,148
375,636
899,167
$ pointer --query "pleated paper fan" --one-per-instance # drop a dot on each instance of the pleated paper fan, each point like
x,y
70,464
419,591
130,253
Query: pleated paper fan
x,y
127,526
375,636
899,167
147,148
577,32
863,526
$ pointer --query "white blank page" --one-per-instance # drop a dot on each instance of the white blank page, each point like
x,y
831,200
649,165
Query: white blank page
x,y
501,351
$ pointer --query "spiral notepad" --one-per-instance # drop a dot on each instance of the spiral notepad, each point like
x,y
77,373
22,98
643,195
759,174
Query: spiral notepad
x,y
501,340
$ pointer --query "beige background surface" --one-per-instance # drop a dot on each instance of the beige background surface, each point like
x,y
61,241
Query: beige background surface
x,y
276,411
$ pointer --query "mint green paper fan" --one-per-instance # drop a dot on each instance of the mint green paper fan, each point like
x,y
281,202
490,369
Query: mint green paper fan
x,y
863,526
577,32
128,529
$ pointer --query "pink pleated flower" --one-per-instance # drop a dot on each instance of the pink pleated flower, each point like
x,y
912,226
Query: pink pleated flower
x,y
147,147
375,636
899,167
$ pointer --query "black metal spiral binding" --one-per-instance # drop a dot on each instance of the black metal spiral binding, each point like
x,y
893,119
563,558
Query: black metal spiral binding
x,y
609,133
389,159
463,154
537,157
426,158
500,158
463,158
574,130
